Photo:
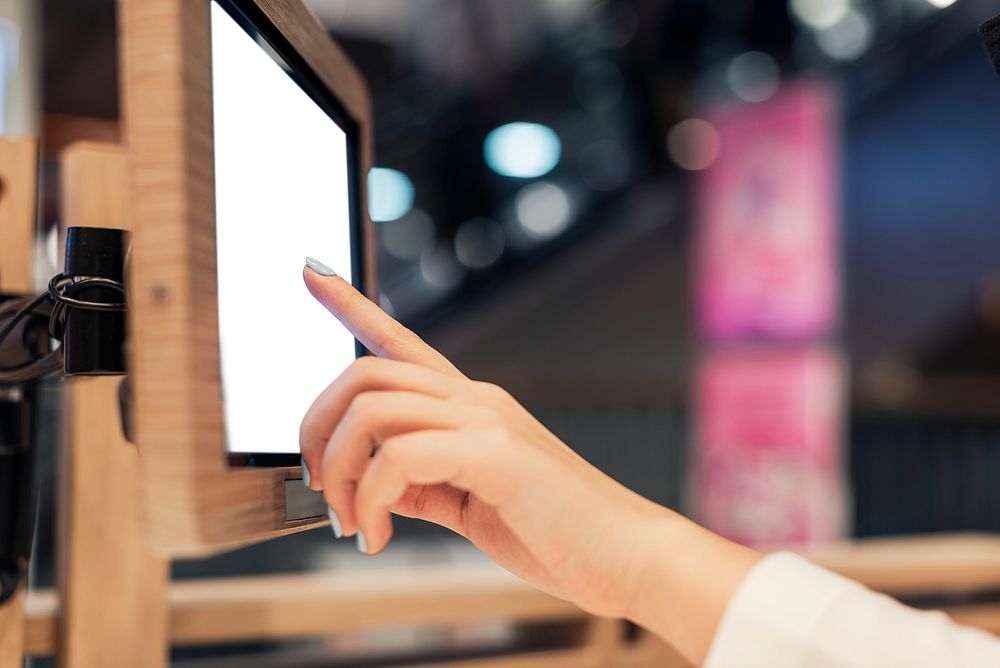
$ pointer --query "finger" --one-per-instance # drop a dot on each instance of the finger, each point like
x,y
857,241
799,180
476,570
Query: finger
x,y
460,458
372,326
363,375
372,418
441,504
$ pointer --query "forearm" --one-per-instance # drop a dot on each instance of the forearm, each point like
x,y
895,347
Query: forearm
x,y
688,577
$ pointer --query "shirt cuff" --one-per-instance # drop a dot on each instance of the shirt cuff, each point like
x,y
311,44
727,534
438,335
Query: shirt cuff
x,y
772,618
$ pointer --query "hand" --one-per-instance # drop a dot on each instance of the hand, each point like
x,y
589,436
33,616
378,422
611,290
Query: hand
x,y
465,455
405,432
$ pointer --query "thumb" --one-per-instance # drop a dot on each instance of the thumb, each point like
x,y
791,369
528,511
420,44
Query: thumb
x,y
372,326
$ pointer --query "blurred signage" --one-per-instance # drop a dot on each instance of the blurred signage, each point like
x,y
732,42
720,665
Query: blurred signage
x,y
766,219
767,464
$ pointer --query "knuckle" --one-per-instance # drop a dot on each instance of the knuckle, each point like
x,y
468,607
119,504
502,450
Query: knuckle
x,y
389,454
483,388
363,406
401,340
365,364
491,417
359,370
492,390
494,436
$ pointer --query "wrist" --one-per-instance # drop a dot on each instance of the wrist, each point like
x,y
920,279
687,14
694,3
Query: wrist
x,y
687,577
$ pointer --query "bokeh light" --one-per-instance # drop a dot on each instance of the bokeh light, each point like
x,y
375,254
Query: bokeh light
x,y
848,39
523,150
941,4
439,266
479,243
819,14
406,237
390,194
753,76
693,144
543,209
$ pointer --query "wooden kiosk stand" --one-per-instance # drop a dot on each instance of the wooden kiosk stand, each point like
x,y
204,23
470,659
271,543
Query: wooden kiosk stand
x,y
114,603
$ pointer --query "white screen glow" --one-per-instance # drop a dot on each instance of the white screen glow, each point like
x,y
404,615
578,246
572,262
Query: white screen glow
x,y
281,193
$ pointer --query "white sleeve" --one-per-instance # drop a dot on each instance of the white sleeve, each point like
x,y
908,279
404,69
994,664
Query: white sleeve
x,y
788,613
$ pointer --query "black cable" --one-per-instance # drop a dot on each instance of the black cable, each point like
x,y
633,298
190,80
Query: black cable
x,y
20,315
61,291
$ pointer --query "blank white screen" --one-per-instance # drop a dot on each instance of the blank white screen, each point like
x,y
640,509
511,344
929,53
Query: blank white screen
x,y
281,193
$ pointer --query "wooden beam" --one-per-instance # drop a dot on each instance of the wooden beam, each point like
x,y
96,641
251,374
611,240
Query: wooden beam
x,y
41,611
206,612
113,588
18,213
985,617
12,632
219,611
61,130
907,565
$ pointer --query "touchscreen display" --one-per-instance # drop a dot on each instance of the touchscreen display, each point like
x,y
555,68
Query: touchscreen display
x,y
282,192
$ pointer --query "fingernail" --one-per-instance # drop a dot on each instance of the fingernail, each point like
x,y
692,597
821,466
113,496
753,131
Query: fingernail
x,y
338,531
319,267
362,543
306,478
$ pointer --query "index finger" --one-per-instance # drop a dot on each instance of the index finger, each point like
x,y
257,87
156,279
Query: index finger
x,y
371,325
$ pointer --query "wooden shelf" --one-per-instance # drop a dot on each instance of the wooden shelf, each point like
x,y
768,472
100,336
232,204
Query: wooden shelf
x,y
227,610
218,611
911,565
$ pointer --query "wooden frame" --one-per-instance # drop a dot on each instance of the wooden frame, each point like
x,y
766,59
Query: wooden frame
x,y
196,504
18,207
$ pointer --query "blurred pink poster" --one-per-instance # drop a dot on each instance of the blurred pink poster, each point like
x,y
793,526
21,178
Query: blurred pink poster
x,y
766,218
767,456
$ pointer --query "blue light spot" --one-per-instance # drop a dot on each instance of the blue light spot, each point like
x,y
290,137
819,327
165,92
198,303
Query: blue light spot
x,y
390,194
524,150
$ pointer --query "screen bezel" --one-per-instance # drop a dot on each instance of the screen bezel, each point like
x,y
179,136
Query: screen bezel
x,y
254,23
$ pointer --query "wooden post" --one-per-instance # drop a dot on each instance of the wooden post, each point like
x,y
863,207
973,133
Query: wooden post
x,y
113,588
18,198
12,632
18,201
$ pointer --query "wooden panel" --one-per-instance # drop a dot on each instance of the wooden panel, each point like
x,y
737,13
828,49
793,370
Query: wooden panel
x,y
916,564
61,130
18,213
200,504
94,185
985,617
41,610
204,612
228,610
113,588
12,632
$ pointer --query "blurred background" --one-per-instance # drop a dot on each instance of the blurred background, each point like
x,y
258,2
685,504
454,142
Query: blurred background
x,y
740,254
